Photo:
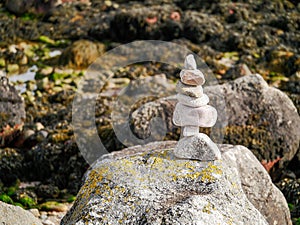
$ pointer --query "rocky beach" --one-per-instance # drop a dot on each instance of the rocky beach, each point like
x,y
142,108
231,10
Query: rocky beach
x,y
252,48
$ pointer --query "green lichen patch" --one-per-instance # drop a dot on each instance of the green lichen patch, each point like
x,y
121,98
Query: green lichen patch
x,y
147,170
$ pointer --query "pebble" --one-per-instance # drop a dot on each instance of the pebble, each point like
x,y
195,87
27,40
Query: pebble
x,y
48,222
192,91
43,216
35,212
28,133
13,68
190,63
39,126
197,147
193,101
192,77
205,116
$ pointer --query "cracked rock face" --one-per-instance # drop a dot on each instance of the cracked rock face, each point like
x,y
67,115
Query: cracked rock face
x,y
148,185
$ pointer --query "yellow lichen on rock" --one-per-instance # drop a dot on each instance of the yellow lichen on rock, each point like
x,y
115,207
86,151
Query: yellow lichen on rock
x,y
207,173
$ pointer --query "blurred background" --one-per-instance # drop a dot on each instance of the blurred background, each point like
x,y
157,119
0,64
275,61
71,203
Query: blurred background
x,y
46,47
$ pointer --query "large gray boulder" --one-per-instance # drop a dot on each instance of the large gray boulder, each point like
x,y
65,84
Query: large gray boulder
x,y
148,185
257,184
258,116
15,215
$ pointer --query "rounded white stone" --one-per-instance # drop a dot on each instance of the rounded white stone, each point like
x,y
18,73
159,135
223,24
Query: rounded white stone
x,y
189,62
193,101
192,91
205,116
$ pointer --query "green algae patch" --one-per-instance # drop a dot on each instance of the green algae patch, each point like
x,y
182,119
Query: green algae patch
x,y
27,201
5,198
53,206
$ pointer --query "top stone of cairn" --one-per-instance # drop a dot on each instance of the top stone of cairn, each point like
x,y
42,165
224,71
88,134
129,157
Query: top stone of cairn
x,y
190,75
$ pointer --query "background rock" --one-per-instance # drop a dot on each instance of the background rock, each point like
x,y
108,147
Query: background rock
x,y
291,190
81,54
12,112
257,184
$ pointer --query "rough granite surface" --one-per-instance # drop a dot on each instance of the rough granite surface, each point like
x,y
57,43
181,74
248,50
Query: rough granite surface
x,y
147,185
198,147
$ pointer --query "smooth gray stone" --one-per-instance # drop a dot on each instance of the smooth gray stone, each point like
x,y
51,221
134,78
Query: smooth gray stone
x,y
205,116
193,101
190,63
192,91
189,130
198,147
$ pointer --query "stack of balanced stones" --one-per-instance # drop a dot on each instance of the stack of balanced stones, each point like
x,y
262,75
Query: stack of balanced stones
x,y
191,112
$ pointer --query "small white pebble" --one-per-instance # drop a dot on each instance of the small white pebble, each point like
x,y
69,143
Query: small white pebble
x,y
35,212
43,216
48,222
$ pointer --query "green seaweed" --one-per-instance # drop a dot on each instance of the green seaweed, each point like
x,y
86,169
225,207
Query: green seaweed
x,y
5,198
27,202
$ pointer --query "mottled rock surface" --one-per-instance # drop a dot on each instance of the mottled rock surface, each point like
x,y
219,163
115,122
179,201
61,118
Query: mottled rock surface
x,y
146,185
196,91
257,184
198,147
12,112
81,53
15,215
291,190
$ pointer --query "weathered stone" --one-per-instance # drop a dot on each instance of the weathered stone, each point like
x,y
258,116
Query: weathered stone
x,y
81,54
12,112
35,212
205,116
291,190
193,102
192,91
148,185
198,147
257,184
16,215
190,63
192,77
190,130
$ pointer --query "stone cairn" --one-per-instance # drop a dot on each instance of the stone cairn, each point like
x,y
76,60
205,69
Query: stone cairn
x,y
191,112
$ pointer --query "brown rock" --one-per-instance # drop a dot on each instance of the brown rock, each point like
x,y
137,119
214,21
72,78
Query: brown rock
x,y
81,54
